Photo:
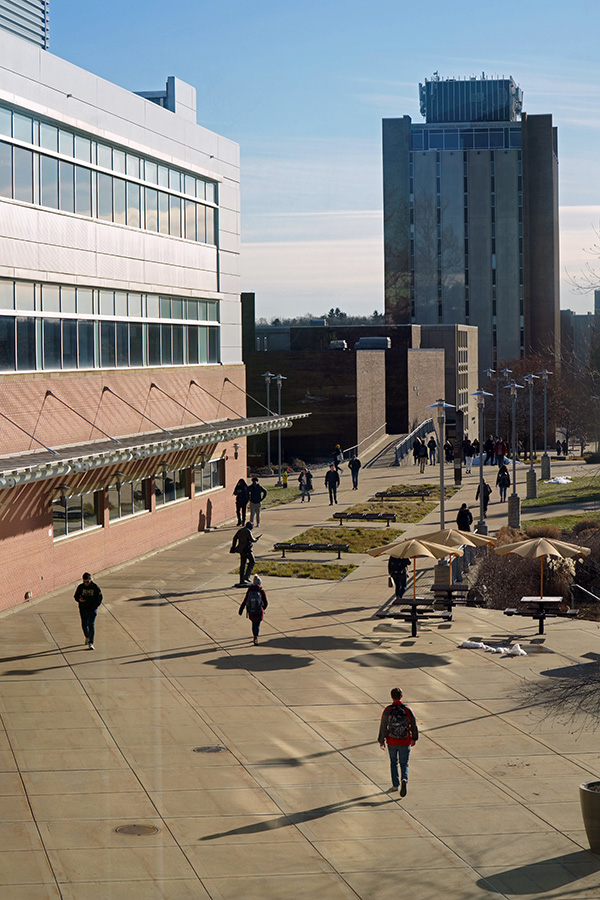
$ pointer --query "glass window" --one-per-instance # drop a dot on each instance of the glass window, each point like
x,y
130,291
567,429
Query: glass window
x,y
67,299
25,295
83,191
107,303
126,498
5,121
211,192
189,185
119,188
466,140
201,223
203,344
178,345
451,140
163,213
151,172
135,304
200,189
151,209
481,140
49,186
133,205
122,344
176,308
23,164
25,343
120,303
203,310
66,175
133,165
71,515
190,220
85,301
104,155
163,176
165,307
69,341
210,225
85,331
22,127
50,298
119,161
5,170
52,352
65,142
83,147
211,475
136,357
175,216
153,345
48,136
7,344
7,295
213,311
213,345
152,307
191,309
107,344
105,198
417,140
170,485
192,348
166,349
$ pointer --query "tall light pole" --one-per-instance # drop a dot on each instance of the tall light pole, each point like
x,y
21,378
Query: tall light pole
x,y
441,407
514,501
267,376
481,395
506,373
531,477
545,458
489,373
278,381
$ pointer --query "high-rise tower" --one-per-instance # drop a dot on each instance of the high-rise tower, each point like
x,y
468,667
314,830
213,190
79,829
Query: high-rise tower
x,y
26,19
471,217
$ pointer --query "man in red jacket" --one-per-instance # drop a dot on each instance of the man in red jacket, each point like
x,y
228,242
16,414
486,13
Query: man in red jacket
x,y
398,729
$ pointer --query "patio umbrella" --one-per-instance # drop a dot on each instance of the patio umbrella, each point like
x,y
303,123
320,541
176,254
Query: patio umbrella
x,y
453,538
534,547
410,549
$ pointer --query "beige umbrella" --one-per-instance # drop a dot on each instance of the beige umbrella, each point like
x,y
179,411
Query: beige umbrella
x,y
452,538
534,547
410,549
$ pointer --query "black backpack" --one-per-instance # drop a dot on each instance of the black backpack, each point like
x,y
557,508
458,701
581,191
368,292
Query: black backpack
x,y
254,604
398,725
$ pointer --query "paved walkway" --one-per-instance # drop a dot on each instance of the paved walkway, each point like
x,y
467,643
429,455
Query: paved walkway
x,y
296,803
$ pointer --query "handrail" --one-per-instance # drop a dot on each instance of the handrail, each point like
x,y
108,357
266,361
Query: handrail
x,y
368,438
404,447
585,591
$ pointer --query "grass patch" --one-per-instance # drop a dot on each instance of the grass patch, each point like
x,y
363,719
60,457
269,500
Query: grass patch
x,y
277,495
565,523
434,491
360,540
581,490
406,510
292,569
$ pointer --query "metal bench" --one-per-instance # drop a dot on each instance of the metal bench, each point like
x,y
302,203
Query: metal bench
x,y
384,495
366,517
298,548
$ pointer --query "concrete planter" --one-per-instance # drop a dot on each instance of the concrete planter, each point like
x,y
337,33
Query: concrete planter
x,y
589,796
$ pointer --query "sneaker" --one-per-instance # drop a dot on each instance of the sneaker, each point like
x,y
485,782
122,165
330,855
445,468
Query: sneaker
x,y
256,640
91,646
403,789
87,640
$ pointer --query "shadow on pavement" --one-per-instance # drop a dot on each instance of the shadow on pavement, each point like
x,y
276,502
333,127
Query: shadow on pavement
x,y
552,873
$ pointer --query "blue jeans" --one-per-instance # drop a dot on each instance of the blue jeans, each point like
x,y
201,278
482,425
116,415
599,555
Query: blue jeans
x,y
399,755
88,619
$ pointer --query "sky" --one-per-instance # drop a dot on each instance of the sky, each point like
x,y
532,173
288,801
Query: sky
x,y
303,89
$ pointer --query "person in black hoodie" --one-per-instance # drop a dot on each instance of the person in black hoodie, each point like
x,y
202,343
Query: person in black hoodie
x,y
464,518
256,495
240,492
89,597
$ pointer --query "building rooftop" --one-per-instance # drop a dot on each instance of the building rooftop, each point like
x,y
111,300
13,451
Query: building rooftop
x,y
471,99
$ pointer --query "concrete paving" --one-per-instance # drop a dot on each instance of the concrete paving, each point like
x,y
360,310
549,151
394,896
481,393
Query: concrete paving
x,y
296,802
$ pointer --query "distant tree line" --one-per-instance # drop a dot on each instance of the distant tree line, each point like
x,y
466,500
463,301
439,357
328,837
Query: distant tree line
x,y
335,316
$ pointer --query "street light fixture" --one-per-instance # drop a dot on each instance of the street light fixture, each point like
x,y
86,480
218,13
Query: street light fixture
x,y
531,477
267,376
514,501
489,373
441,407
545,458
278,380
481,395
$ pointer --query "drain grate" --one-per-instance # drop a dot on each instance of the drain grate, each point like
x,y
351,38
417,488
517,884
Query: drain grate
x,y
216,748
137,829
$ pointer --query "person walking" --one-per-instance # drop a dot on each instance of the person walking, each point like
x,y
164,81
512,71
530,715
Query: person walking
x,y
431,443
256,495
486,495
306,485
448,451
500,451
354,465
255,602
415,450
338,457
242,543
422,456
397,571
332,480
464,518
503,482
240,492
398,729
489,450
89,597
468,455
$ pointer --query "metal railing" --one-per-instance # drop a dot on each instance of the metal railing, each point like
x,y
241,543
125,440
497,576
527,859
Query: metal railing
x,y
404,447
355,447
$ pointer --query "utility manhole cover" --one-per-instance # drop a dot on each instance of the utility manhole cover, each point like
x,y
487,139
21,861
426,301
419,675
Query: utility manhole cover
x,y
214,749
137,829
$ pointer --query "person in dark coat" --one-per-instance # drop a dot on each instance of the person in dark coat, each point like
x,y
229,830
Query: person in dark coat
x,y
354,465
255,602
338,457
89,597
503,482
431,443
240,492
242,544
464,518
256,495
332,480
486,495
397,567
306,485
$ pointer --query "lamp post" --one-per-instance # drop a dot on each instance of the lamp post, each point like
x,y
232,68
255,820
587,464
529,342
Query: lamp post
x,y
278,380
531,478
481,395
267,376
506,373
441,407
514,502
489,373
545,458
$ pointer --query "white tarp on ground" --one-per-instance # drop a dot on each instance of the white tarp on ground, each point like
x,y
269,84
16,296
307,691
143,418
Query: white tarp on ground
x,y
560,479
515,650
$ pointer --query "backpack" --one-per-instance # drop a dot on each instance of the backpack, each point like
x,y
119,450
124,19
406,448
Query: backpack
x,y
254,604
398,722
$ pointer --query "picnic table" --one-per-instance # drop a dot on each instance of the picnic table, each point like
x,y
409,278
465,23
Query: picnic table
x,y
414,611
539,608
449,594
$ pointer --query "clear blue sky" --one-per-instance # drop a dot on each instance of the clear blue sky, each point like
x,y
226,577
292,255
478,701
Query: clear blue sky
x,y
303,89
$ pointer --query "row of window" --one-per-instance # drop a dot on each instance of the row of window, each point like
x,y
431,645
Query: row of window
x,y
35,343
80,512
63,141
29,296
422,138
44,181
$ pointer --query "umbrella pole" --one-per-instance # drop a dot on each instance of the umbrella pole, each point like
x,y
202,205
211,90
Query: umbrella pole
x,y
541,577
414,579
450,570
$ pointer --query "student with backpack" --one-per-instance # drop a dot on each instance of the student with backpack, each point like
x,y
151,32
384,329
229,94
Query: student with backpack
x,y
255,602
398,729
